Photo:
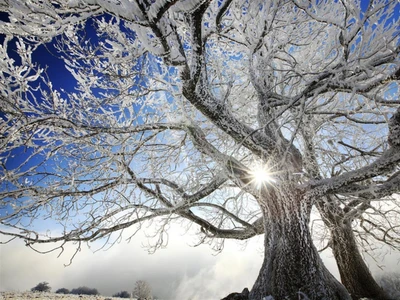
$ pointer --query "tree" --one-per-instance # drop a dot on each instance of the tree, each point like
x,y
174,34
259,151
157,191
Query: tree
x,y
84,290
354,272
41,287
123,294
142,290
62,291
238,116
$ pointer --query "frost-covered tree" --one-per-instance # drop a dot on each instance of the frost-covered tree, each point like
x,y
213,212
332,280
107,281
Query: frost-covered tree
x,y
238,116
142,290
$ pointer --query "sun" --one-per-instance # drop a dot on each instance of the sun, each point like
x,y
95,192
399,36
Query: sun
x,y
261,176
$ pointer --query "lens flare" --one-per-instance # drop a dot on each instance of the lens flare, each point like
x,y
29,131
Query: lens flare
x,y
262,176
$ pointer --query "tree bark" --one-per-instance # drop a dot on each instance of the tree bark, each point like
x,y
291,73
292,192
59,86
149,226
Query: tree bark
x,y
354,273
292,266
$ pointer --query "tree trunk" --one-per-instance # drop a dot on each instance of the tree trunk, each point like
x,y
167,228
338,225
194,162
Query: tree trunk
x,y
354,273
292,266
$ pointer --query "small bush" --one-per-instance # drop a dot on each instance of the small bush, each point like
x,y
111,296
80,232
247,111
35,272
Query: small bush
x,y
123,294
84,290
41,287
62,291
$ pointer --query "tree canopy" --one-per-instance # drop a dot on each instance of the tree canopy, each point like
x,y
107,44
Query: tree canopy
x,y
238,116
41,287
142,290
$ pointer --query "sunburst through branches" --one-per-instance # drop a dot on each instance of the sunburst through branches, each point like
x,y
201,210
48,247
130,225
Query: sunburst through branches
x,y
262,175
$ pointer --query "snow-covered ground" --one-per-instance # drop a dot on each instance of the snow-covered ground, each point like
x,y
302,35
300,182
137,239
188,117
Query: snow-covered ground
x,y
50,296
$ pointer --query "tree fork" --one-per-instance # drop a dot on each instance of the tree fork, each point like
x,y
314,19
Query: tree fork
x,y
291,265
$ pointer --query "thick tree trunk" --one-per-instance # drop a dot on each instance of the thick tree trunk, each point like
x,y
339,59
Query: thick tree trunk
x,y
354,273
292,266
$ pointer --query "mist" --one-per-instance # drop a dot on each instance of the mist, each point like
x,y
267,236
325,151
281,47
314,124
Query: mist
x,y
180,271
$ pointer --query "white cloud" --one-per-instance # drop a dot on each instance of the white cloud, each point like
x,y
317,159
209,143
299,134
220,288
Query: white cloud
x,y
232,272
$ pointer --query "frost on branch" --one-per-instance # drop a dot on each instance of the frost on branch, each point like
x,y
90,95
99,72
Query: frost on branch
x,y
394,129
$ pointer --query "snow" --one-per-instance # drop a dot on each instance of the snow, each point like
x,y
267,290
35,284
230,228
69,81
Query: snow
x,y
53,296
50,296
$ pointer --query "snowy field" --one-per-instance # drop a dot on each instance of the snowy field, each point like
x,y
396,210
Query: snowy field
x,y
50,296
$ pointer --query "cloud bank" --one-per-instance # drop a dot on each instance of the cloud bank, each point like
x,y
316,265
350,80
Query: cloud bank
x,y
177,272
